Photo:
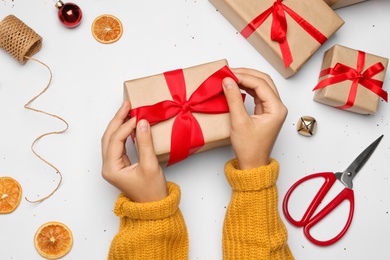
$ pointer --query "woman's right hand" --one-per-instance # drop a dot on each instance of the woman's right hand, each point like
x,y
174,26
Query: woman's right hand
x,y
253,136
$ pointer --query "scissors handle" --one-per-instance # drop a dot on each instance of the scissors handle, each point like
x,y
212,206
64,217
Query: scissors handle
x,y
330,179
307,221
345,194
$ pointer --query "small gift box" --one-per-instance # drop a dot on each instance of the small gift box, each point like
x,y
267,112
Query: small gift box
x,y
286,33
351,80
186,108
335,4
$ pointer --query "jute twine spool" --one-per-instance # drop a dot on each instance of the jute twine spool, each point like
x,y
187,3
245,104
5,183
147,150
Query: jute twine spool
x,y
18,39
22,42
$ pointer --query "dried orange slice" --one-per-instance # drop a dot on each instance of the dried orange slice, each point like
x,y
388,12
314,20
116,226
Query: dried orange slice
x,y
53,240
10,194
107,28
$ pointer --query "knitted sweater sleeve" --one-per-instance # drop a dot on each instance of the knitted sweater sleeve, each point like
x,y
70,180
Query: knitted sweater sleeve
x,y
253,228
154,230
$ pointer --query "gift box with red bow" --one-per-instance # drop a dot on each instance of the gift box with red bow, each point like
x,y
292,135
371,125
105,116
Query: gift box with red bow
x,y
186,108
335,4
351,80
286,33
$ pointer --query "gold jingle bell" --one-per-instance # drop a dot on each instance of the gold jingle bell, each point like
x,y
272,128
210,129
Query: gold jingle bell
x,y
307,126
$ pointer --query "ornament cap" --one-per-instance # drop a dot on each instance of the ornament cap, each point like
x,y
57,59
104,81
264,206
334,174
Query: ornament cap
x,y
59,4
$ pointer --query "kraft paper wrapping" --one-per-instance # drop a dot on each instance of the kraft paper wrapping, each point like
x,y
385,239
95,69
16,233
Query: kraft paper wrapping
x,y
335,4
366,101
153,89
240,13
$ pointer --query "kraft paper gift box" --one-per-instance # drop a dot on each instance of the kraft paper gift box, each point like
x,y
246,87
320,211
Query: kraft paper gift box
x,y
351,80
335,4
152,98
306,26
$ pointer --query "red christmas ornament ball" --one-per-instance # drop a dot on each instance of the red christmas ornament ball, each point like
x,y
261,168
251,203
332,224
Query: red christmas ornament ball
x,y
69,14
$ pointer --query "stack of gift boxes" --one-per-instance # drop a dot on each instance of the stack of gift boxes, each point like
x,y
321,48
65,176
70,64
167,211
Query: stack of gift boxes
x,y
187,106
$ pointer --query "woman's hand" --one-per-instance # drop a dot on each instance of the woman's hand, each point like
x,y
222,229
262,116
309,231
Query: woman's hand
x,y
253,136
140,182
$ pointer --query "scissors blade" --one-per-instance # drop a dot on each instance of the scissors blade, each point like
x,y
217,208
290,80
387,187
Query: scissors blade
x,y
347,176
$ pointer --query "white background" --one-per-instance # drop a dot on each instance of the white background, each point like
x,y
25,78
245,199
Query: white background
x,y
159,36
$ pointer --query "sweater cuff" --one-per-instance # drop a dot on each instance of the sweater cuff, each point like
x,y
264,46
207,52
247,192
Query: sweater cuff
x,y
253,179
161,209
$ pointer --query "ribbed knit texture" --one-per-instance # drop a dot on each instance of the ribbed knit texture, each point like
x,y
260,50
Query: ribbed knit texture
x,y
154,230
253,229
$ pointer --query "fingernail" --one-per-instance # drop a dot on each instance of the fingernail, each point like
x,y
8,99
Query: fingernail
x,y
227,83
143,125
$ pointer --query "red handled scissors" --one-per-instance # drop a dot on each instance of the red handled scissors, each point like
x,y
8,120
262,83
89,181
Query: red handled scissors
x,y
345,177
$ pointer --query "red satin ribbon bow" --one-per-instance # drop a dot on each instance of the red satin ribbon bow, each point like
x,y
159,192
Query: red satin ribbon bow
x,y
279,28
341,72
187,136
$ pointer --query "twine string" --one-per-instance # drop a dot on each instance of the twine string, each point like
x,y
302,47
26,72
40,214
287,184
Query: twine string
x,y
18,39
22,42
27,106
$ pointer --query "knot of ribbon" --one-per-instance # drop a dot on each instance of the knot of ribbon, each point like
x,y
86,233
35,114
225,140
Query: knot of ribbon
x,y
187,136
341,72
279,28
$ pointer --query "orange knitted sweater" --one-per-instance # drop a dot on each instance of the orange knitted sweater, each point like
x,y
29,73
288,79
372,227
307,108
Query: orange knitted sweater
x,y
253,229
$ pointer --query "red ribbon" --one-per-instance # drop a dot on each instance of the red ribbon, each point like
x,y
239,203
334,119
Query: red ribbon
x,y
187,136
341,72
279,28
